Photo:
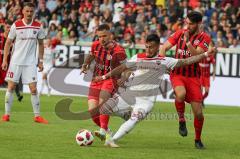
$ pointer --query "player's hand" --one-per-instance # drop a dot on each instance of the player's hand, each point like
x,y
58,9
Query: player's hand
x,y
97,79
121,81
186,36
212,51
4,66
40,67
84,69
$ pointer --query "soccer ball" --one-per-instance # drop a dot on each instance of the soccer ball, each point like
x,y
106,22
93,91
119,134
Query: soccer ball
x,y
84,137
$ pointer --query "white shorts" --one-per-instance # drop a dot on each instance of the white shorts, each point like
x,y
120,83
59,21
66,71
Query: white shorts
x,y
120,106
46,69
28,73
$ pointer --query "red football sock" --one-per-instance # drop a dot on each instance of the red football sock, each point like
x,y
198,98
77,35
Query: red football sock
x,y
180,107
198,124
104,119
96,119
205,95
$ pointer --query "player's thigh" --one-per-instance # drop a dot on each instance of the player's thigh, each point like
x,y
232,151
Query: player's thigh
x,y
142,107
29,74
94,91
107,90
193,89
46,70
120,107
104,96
92,104
178,83
180,92
14,73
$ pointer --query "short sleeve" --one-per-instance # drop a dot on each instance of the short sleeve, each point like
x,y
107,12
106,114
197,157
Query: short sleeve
x,y
41,33
12,32
121,56
132,63
173,39
169,62
204,44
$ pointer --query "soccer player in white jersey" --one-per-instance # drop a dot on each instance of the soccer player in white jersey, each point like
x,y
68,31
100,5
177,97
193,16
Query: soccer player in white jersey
x,y
48,60
25,33
142,88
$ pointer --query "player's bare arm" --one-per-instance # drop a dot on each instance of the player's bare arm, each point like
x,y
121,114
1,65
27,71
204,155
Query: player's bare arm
x,y
116,71
40,56
166,46
194,59
87,63
7,46
124,77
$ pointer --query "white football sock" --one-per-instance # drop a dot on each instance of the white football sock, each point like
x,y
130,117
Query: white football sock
x,y
125,128
35,105
8,102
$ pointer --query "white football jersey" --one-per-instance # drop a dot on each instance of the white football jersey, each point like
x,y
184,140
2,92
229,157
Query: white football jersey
x,y
148,73
25,41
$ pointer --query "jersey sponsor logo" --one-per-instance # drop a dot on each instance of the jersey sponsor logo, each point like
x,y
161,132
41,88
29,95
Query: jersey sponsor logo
x,y
196,42
103,67
205,44
109,57
183,52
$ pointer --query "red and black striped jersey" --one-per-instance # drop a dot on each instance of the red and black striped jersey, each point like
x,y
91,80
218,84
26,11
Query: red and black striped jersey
x,y
2,43
107,59
199,40
205,65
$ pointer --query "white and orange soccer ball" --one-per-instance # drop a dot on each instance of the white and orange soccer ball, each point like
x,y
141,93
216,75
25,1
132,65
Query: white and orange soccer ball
x,y
84,137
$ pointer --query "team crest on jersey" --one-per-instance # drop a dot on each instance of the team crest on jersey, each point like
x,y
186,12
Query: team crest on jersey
x,y
196,42
158,62
205,44
109,57
34,31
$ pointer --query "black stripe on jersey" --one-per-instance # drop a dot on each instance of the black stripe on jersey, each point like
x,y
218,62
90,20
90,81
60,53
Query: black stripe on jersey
x,y
180,42
104,62
191,67
99,59
184,56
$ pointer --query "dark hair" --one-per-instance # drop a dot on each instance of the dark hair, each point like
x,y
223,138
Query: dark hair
x,y
28,4
103,27
153,38
194,16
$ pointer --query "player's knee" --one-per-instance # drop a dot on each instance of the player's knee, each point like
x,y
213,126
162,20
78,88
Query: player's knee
x,y
33,90
138,115
180,96
199,115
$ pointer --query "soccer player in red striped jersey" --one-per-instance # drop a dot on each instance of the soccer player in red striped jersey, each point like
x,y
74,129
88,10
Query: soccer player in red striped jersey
x,y
185,80
205,73
107,55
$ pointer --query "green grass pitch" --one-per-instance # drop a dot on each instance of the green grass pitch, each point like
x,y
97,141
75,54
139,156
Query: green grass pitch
x,y
155,138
